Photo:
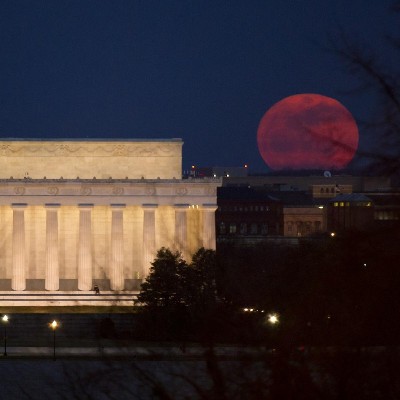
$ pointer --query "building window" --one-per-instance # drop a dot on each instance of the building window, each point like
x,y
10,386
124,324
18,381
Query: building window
x,y
232,228
222,228
290,227
243,228
264,229
253,229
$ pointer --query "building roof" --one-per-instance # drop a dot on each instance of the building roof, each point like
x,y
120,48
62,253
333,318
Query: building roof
x,y
385,199
245,193
350,197
299,199
84,139
287,198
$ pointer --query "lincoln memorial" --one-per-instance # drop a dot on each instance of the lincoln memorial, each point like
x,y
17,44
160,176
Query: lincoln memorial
x,y
80,213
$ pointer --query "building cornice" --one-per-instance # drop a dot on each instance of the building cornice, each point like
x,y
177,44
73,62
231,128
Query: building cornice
x,y
109,191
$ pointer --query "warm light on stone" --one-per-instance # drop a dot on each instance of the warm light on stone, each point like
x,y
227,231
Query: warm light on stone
x,y
67,235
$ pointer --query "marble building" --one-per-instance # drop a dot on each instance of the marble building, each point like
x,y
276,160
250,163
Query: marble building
x,y
79,213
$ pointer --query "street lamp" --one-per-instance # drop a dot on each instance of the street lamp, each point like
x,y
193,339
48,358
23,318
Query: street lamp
x,y
273,319
5,322
54,326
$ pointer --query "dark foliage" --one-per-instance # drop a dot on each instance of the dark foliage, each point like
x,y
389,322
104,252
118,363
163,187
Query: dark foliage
x,y
332,291
180,301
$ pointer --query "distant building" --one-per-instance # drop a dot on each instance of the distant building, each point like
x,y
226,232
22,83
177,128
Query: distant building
x,y
327,204
336,183
386,207
350,212
247,216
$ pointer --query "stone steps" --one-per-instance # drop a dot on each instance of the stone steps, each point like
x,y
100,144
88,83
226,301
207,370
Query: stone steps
x,y
67,298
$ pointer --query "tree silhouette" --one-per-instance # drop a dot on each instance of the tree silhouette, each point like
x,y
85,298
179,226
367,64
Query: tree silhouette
x,y
178,299
380,79
163,286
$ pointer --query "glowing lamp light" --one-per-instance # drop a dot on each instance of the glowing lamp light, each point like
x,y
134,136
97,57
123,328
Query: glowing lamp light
x,y
333,234
54,326
273,319
5,321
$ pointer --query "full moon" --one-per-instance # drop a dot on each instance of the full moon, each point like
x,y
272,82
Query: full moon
x,y
307,131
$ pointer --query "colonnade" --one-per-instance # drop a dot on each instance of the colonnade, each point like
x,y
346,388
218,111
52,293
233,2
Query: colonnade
x,y
84,251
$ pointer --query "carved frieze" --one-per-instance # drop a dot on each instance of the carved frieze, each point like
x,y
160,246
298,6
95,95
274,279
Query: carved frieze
x,y
181,191
5,149
86,191
130,192
52,190
19,190
150,191
210,191
84,148
118,190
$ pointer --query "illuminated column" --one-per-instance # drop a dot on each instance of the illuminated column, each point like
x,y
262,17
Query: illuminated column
x,y
18,247
181,228
117,247
149,236
85,247
52,265
208,211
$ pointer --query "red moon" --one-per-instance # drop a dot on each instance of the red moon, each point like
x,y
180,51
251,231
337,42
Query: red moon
x,y
307,131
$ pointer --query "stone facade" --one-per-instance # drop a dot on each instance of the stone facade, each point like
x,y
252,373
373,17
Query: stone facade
x,y
132,159
304,221
64,235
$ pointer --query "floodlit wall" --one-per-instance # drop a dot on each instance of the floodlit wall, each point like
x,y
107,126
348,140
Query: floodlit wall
x,y
69,159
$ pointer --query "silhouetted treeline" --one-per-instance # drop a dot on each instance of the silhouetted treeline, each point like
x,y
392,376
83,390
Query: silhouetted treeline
x,y
341,290
326,291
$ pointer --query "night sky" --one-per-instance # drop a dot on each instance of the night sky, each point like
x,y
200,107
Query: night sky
x,y
204,71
